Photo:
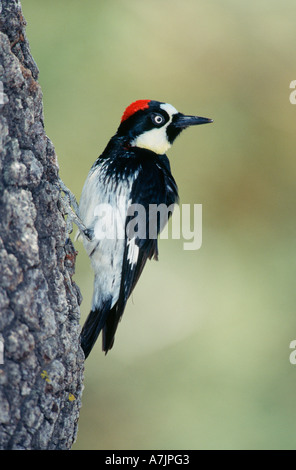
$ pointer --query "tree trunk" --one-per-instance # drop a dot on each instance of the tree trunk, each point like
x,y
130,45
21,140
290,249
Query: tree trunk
x,y
41,363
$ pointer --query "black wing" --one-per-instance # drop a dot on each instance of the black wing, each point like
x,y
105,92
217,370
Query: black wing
x,y
154,185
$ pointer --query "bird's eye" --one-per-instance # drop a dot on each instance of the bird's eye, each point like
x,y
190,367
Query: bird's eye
x,y
158,119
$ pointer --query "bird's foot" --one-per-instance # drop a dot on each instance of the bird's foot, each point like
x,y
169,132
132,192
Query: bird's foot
x,y
67,202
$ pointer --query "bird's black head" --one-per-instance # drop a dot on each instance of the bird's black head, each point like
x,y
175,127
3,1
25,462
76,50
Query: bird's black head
x,y
154,125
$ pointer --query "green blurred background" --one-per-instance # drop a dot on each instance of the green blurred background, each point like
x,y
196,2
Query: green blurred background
x,y
201,357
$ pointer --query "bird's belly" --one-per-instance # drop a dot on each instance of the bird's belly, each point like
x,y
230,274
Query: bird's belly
x,y
106,259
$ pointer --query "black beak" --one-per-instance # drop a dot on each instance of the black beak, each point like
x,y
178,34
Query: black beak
x,y
181,121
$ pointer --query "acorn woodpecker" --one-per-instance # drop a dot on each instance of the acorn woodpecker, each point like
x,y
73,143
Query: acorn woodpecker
x,y
133,172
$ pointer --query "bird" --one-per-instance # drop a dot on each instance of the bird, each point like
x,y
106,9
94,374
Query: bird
x,y
132,172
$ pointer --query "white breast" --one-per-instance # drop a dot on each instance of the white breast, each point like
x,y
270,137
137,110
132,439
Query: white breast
x,y
106,253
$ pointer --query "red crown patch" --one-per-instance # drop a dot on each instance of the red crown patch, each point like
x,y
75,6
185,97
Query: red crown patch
x,y
134,107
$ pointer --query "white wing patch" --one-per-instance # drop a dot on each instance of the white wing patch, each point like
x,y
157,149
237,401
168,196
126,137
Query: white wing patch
x,y
133,251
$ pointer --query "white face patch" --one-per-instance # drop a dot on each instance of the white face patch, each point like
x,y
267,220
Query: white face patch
x,y
169,109
156,139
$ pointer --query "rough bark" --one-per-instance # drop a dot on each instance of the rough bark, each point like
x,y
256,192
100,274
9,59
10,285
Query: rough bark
x,y
41,373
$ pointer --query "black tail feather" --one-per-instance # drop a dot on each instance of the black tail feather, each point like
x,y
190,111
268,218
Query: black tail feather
x,y
92,327
110,328
105,319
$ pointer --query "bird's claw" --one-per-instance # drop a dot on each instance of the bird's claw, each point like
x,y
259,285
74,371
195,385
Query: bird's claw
x,y
88,233
67,202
